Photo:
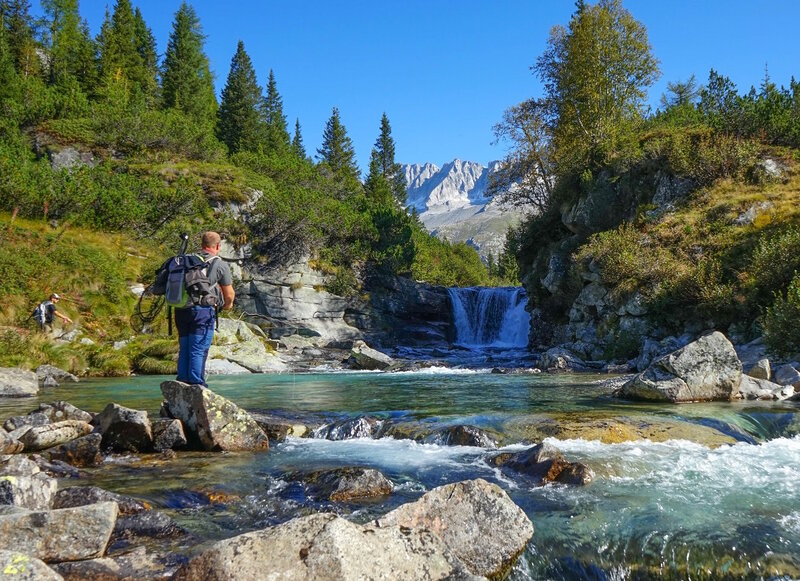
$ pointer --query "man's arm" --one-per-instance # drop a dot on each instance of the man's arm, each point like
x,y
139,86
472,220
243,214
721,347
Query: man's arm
x,y
64,318
227,296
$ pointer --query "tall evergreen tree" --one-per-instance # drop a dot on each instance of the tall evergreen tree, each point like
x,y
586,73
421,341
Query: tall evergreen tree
x,y
19,36
376,186
71,47
297,141
390,170
147,70
337,150
240,125
272,110
187,82
9,82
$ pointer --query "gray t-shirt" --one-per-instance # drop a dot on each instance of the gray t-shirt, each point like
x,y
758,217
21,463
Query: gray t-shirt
x,y
218,273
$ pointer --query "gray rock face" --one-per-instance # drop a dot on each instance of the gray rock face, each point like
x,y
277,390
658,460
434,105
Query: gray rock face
x,y
325,547
136,565
47,436
21,567
16,382
751,353
23,484
75,496
9,445
753,388
124,429
216,422
705,370
761,370
560,359
788,375
362,356
82,452
168,435
59,376
477,521
69,157
68,534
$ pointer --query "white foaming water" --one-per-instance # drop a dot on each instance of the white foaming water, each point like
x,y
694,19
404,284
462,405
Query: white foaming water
x,y
440,370
490,317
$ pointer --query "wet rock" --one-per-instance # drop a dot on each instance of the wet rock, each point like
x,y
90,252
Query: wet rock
x,y
124,429
57,468
82,452
55,375
21,567
68,534
576,474
362,356
705,370
346,484
761,370
35,418
216,422
476,520
23,484
168,435
363,427
59,411
325,547
752,388
151,524
542,462
463,435
9,445
43,437
87,495
136,565
277,428
560,359
15,382
788,375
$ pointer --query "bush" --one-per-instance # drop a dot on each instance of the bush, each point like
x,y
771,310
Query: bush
x,y
774,263
782,321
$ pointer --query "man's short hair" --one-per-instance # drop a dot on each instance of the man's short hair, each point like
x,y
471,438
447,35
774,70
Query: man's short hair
x,y
210,239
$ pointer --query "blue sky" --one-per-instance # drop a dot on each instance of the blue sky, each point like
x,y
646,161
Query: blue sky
x,y
444,71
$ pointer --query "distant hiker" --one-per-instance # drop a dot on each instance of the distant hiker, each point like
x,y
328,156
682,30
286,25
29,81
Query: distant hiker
x,y
195,322
44,312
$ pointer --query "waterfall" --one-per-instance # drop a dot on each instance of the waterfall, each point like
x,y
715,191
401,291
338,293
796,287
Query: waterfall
x,y
490,317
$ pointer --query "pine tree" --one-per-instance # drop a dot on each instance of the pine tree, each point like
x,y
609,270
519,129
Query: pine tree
x,y
9,82
71,47
391,171
19,36
297,141
187,83
274,119
337,149
239,124
146,69
376,186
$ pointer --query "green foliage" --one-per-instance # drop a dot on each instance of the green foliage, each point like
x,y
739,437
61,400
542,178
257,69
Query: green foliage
x,y
297,141
277,135
781,330
239,124
158,358
774,263
385,175
444,263
338,156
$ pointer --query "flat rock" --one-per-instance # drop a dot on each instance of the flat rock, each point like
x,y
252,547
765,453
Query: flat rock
x,y
81,452
87,495
59,376
362,356
217,423
325,547
136,565
705,370
477,521
68,534
22,567
168,435
15,382
23,484
47,436
124,429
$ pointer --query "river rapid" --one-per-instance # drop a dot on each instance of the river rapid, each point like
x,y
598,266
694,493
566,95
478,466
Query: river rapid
x,y
713,491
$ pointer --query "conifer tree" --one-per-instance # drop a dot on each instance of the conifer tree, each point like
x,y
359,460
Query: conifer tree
x,y
272,111
71,47
376,186
337,150
388,168
239,124
297,141
146,75
187,83
9,83
19,36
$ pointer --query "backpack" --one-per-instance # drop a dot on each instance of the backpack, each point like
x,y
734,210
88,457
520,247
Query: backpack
x,y
183,280
40,313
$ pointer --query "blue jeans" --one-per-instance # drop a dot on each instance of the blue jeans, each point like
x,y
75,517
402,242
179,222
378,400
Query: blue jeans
x,y
195,333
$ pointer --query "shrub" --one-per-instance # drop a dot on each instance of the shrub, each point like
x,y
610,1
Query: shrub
x,y
782,321
774,263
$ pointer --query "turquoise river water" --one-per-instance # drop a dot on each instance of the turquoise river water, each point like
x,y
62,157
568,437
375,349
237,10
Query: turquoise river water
x,y
681,508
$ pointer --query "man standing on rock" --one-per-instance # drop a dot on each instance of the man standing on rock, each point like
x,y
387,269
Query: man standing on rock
x,y
195,324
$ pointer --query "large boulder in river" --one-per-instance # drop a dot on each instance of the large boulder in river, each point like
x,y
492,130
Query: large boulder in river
x,y
21,567
84,451
125,429
168,434
50,375
705,370
325,547
218,424
346,484
476,520
544,463
49,435
23,484
362,356
68,534
15,382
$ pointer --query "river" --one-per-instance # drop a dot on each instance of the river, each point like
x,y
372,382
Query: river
x,y
682,507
